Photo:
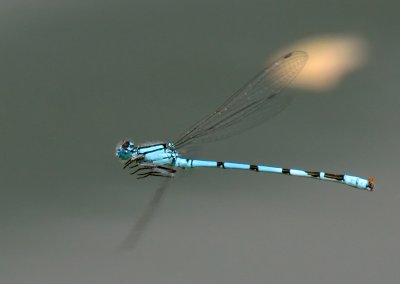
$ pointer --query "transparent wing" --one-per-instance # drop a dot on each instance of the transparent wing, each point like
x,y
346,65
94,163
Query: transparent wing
x,y
131,241
257,101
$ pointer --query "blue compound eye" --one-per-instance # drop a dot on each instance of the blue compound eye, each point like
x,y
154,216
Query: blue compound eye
x,y
125,150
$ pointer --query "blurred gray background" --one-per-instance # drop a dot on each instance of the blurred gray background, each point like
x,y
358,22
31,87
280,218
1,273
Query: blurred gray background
x,y
78,76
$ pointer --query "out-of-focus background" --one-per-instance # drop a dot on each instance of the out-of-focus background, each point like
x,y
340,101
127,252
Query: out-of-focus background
x,y
77,76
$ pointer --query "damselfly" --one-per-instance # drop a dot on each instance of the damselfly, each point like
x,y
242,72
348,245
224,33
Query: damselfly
x,y
257,101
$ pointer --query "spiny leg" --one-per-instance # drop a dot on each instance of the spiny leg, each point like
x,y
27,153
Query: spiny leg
x,y
143,166
133,160
138,170
154,170
153,174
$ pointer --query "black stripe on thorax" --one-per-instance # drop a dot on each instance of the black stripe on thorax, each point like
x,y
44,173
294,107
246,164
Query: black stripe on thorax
x,y
164,146
153,145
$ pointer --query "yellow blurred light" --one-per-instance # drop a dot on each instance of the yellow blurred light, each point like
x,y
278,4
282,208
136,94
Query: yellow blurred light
x,y
331,57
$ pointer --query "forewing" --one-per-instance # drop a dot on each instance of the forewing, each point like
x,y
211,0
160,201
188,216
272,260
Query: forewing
x,y
256,102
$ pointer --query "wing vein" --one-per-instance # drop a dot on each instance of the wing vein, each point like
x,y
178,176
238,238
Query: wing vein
x,y
257,101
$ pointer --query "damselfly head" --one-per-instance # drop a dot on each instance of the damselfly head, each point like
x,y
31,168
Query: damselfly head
x,y
125,150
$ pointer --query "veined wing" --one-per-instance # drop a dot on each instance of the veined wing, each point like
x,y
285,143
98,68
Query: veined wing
x,y
256,102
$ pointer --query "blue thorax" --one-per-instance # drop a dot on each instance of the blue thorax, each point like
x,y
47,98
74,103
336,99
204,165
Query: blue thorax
x,y
160,153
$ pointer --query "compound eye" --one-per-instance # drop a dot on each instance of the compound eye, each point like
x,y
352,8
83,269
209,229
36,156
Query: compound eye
x,y
125,145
